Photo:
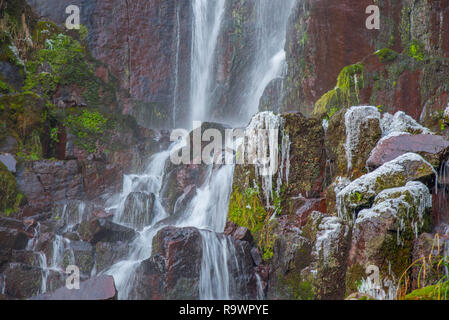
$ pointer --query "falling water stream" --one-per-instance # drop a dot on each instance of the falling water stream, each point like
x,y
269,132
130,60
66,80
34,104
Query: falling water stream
x,y
207,210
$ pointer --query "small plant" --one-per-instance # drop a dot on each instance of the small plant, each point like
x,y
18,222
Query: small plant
x,y
54,135
427,265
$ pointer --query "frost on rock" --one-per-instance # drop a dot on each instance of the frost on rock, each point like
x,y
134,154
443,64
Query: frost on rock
x,y
401,122
331,231
355,118
405,207
263,151
393,174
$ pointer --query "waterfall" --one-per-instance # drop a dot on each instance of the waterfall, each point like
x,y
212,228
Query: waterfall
x,y
207,20
270,56
207,210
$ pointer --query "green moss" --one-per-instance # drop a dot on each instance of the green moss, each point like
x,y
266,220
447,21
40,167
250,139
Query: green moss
x,y
246,210
88,127
300,289
5,88
60,61
10,197
386,55
415,51
8,50
436,292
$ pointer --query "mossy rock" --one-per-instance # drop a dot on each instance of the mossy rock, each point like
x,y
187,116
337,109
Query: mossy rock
x,y
10,197
307,159
386,55
345,94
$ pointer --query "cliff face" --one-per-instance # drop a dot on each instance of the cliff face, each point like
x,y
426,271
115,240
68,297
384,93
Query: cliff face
x,y
141,42
326,36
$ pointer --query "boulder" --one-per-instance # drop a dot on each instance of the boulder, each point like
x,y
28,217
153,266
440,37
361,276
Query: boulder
x,y
96,230
306,160
383,236
83,255
173,271
96,288
351,135
310,263
401,122
395,173
13,239
389,148
22,281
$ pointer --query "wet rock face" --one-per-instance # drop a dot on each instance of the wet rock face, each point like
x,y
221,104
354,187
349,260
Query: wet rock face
x,y
174,268
138,210
12,238
44,182
139,41
107,254
318,48
47,182
97,230
311,265
350,137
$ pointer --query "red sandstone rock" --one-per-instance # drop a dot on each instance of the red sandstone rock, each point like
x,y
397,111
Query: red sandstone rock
x,y
429,146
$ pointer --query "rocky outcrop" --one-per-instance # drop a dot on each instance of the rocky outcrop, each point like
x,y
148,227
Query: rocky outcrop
x,y
311,264
350,136
396,173
319,48
383,235
103,230
174,268
428,146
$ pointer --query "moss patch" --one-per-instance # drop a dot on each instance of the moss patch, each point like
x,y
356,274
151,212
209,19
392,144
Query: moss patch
x,y
246,210
346,93
10,197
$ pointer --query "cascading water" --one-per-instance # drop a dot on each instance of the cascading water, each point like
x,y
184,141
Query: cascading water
x,y
207,16
270,56
207,210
